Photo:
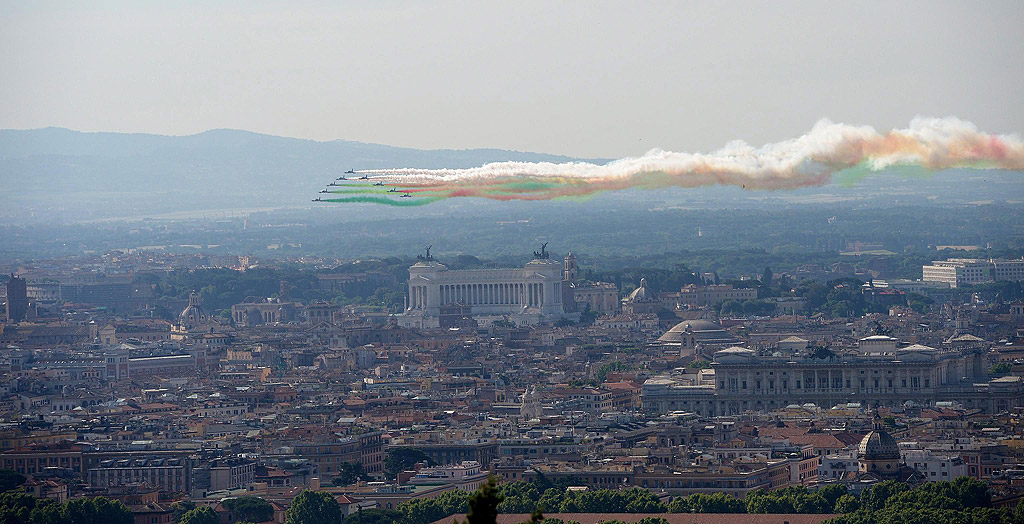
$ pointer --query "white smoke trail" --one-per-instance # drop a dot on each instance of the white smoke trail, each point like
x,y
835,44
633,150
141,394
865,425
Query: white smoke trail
x,y
934,143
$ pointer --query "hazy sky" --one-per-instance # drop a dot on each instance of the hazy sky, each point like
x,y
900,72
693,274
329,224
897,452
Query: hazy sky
x,y
601,79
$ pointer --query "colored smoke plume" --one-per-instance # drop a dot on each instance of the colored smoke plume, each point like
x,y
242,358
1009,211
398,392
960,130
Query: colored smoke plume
x,y
810,160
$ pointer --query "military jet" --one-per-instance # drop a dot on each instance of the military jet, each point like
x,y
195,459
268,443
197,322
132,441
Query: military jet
x,y
393,190
341,178
350,172
317,199
333,184
324,191
405,195
364,177
378,183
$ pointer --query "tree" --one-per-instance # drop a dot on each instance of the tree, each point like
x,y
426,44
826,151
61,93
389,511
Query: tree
x,y
847,504
587,317
180,508
766,277
349,472
424,511
401,459
679,505
373,516
18,507
483,503
252,509
874,497
640,500
732,308
10,479
200,515
100,510
699,364
972,493
760,501
713,503
1002,368
313,507
832,493
608,367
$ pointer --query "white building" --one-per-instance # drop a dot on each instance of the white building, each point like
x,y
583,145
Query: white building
x,y
877,374
526,295
833,468
935,466
960,271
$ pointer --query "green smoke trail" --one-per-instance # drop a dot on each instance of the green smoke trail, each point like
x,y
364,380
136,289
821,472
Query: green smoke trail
x,y
852,175
361,191
406,202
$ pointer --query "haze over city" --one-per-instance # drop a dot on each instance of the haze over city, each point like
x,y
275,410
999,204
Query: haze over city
x,y
587,80
547,263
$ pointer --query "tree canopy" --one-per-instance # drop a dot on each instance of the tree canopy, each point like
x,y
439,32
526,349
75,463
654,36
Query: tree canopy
x,y
313,507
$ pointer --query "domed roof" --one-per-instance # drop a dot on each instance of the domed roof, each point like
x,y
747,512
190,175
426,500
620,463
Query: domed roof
x,y
641,294
879,445
676,333
194,312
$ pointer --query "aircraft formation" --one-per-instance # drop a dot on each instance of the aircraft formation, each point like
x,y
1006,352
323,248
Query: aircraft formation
x,y
353,190
830,152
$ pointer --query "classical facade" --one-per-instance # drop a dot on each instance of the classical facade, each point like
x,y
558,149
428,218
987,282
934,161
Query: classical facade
x,y
526,295
747,380
700,296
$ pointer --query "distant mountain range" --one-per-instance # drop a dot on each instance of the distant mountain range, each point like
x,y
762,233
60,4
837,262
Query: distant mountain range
x,y
74,175
56,175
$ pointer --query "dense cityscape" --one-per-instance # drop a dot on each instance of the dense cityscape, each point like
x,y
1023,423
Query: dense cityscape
x,y
532,262
399,391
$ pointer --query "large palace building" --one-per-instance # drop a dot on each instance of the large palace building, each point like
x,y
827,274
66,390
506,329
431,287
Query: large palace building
x,y
526,295
877,373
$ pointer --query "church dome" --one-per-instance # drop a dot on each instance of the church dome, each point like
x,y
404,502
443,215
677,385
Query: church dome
x,y
879,445
688,326
194,312
641,294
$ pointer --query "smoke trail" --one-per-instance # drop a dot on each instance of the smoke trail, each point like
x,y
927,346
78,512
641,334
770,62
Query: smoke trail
x,y
810,160
381,200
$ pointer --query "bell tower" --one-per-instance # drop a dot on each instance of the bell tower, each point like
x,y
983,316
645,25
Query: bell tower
x,y
571,272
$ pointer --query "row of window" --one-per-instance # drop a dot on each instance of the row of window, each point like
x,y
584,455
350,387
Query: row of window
x,y
837,383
